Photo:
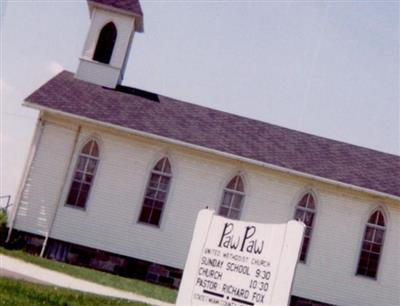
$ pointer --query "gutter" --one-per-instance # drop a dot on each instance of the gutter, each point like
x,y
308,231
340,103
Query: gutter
x,y
28,165
219,153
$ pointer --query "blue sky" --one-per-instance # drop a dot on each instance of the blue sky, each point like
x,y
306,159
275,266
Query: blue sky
x,y
329,68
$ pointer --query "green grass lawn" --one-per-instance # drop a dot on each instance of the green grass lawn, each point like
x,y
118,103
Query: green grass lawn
x,y
107,279
22,293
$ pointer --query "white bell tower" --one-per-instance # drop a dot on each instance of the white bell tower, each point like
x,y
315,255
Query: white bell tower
x,y
107,46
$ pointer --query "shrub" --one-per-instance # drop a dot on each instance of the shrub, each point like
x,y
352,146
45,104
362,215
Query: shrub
x,y
3,226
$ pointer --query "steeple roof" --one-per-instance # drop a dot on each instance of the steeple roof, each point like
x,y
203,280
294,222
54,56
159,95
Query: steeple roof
x,y
130,6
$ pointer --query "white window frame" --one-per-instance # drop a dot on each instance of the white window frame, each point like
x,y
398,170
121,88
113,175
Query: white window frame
x,y
83,173
161,174
363,240
234,193
313,211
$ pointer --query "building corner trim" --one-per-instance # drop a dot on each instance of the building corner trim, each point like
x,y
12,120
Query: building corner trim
x,y
40,124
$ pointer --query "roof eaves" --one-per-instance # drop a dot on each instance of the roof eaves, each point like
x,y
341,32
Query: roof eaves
x,y
216,152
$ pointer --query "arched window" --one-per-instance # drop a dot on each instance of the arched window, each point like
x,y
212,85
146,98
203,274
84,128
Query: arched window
x,y
372,245
85,171
156,192
232,200
105,43
305,211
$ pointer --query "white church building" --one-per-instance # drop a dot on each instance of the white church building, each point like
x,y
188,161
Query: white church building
x,y
116,175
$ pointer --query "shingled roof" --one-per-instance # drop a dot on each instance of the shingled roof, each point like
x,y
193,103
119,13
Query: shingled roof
x,y
130,6
223,132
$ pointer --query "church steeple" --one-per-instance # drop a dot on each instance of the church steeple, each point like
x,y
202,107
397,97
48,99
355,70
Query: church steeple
x,y
107,46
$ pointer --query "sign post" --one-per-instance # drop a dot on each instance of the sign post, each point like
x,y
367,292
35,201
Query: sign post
x,y
237,263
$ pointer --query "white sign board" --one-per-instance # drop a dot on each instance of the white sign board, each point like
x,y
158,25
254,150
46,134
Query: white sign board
x,y
236,263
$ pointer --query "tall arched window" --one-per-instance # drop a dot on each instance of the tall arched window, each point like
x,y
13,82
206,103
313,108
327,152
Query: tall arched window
x,y
372,245
156,192
232,200
85,171
105,43
305,211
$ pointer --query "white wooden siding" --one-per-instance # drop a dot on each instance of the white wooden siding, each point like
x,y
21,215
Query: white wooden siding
x,y
45,179
110,220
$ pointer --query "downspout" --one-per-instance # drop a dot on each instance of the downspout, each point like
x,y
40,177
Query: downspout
x,y
53,217
28,165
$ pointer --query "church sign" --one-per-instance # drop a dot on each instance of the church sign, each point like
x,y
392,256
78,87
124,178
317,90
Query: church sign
x,y
236,263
